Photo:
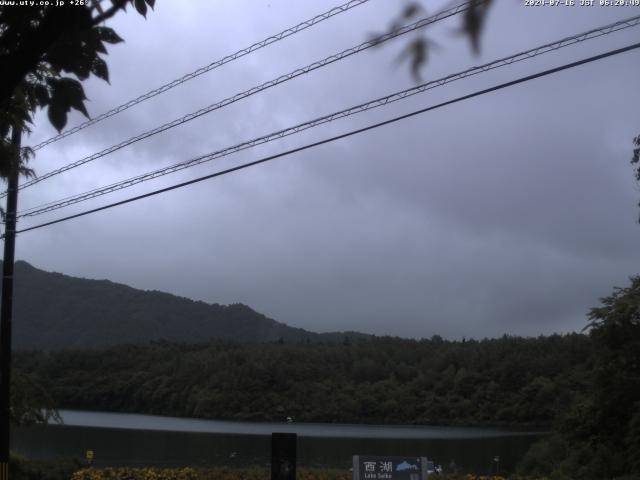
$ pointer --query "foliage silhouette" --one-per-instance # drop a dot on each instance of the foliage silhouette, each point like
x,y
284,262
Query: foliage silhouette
x,y
45,54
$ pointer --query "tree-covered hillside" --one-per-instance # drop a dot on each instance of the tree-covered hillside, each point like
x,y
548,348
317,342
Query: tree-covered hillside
x,y
506,381
54,311
599,435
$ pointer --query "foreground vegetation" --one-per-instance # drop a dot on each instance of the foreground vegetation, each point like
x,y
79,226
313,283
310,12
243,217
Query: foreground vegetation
x,y
22,469
598,437
221,473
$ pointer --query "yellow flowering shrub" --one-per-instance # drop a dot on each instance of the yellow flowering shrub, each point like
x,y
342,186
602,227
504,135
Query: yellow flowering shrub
x,y
230,473
136,474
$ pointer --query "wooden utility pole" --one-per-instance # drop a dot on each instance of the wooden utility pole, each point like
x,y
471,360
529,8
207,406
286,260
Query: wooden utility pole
x,y
6,307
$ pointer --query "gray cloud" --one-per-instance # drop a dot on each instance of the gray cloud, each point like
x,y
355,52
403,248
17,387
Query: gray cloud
x,y
509,213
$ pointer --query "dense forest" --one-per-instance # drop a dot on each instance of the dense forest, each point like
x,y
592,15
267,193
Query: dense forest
x,y
598,436
507,381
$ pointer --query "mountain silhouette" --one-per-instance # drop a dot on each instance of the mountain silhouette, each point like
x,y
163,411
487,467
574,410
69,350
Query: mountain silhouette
x,y
52,311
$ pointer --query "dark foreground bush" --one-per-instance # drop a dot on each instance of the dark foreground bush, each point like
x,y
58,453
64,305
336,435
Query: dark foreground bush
x,y
22,469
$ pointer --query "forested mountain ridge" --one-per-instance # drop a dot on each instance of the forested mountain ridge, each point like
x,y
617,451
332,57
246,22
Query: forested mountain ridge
x,y
54,311
507,381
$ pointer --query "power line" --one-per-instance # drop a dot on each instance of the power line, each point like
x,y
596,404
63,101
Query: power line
x,y
252,91
531,53
341,136
207,68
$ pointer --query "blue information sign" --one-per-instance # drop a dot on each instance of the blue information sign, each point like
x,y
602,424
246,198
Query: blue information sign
x,y
366,467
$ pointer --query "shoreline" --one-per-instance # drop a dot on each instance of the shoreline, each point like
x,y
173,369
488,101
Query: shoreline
x,y
488,429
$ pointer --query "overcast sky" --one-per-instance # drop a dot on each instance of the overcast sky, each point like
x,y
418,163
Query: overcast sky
x,y
509,213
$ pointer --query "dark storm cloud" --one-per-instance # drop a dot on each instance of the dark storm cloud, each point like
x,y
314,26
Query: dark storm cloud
x,y
509,213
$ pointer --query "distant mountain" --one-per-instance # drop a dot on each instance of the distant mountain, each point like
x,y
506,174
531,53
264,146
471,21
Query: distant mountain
x,y
54,311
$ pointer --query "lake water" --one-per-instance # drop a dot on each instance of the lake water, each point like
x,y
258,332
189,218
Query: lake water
x,y
146,440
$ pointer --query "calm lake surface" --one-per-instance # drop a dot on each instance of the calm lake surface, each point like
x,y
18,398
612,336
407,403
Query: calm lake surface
x,y
146,440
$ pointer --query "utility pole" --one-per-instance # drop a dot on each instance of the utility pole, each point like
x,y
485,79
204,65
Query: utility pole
x,y
6,307
283,456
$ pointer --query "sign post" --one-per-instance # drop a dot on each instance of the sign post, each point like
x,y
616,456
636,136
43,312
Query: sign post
x,y
366,467
283,456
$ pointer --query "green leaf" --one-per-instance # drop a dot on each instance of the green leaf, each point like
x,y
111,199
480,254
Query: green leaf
x,y
141,7
473,21
41,94
108,35
67,93
73,56
100,69
411,10
93,41
76,98
81,67
57,116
